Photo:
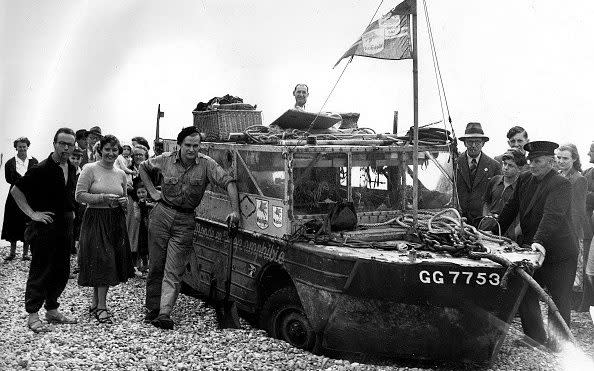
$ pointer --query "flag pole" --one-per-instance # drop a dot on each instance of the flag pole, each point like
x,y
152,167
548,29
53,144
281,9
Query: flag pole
x,y
415,159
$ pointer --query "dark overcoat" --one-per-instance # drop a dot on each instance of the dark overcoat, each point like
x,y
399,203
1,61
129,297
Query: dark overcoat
x,y
547,219
13,226
470,194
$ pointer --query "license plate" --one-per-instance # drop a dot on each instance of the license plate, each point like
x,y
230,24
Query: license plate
x,y
452,277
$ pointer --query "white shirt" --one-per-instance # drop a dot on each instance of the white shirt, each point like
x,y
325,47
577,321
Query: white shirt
x,y
477,158
22,166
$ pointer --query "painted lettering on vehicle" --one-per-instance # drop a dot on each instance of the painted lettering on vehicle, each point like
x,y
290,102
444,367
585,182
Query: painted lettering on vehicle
x,y
257,248
459,277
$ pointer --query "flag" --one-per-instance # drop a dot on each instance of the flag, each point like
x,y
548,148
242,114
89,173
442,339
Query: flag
x,y
387,37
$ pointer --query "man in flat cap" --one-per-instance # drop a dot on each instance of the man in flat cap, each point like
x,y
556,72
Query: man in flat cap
x,y
542,200
475,169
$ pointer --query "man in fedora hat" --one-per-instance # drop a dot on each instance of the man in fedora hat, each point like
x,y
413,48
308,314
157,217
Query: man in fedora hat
x,y
542,200
93,136
475,169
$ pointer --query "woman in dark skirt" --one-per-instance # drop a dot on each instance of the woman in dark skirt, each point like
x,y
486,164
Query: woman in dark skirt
x,y
13,227
104,256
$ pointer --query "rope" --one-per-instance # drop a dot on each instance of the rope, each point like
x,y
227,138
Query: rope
x,y
336,83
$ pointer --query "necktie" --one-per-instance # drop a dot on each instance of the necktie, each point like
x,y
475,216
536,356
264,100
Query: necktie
x,y
472,169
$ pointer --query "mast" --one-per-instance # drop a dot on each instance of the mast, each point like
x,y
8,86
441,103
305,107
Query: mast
x,y
416,116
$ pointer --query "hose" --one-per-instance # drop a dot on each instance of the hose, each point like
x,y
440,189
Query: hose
x,y
532,283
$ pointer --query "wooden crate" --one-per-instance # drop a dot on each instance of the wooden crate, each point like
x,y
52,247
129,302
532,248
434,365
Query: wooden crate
x,y
217,124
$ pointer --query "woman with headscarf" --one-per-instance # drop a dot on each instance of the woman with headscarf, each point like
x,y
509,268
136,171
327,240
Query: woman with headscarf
x,y
13,227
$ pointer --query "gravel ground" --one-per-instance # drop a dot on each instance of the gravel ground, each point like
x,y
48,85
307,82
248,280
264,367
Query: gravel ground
x,y
196,343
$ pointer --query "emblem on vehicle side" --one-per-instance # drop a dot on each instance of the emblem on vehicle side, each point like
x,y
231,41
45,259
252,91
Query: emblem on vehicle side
x,y
277,216
262,213
251,270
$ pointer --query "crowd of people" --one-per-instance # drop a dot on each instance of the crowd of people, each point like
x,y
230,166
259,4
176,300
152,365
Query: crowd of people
x,y
92,197
537,195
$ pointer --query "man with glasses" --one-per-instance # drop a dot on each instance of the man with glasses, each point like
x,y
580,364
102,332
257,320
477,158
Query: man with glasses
x,y
475,169
46,195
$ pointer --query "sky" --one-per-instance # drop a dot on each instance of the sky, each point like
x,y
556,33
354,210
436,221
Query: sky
x,y
110,63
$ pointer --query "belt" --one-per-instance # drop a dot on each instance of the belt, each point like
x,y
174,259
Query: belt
x,y
176,208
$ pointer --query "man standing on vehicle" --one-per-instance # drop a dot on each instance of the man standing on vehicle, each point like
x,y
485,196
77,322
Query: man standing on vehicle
x,y
186,173
46,195
475,169
301,92
542,200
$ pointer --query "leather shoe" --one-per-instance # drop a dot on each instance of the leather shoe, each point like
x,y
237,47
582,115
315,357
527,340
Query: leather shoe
x,y
59,318
163,321
150,316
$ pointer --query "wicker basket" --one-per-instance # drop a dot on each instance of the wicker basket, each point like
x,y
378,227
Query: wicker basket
x,y
218,124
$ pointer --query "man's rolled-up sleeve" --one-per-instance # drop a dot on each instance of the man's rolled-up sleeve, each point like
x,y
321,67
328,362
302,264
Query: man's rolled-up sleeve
x,y
157,162
217,175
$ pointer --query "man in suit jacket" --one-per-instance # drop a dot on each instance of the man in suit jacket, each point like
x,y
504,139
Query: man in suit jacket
x,y
542,199
93,135
475,169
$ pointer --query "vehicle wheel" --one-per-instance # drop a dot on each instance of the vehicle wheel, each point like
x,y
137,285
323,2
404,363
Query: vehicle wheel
x,y
282,316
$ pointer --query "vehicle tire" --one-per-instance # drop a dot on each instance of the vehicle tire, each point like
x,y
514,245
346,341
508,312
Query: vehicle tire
x,y
282,317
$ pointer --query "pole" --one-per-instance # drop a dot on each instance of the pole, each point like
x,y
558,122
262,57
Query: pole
x,y
395,123
416,116
159,115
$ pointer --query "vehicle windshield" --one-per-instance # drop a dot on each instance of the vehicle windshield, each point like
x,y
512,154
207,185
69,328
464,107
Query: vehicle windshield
x,y
379,181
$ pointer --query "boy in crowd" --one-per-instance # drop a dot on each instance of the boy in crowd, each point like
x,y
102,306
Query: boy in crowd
x,y
500,189
142,207
76,160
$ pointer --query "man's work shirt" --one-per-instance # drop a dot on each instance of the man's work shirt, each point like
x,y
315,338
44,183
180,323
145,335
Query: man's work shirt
x,y
45,188
496,195
184,187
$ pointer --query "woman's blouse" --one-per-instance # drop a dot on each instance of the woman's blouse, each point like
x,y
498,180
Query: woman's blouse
x,y
95,181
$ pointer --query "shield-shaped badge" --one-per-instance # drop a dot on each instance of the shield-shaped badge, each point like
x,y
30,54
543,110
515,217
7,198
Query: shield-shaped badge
x,y
277,216
262,213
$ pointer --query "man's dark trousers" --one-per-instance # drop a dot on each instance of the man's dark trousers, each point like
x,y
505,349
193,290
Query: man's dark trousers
x,y
558,278
50,265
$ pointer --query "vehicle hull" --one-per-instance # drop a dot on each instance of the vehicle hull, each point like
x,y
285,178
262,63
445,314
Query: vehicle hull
x,y
366,300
